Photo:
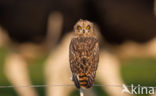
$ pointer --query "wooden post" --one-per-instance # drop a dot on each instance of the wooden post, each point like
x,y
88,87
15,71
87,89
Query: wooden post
x,y
81,92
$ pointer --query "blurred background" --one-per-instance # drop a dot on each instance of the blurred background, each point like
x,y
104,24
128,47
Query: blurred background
x,y
34,35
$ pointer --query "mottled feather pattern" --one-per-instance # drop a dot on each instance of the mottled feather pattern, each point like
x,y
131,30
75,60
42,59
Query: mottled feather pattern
x,y
84,57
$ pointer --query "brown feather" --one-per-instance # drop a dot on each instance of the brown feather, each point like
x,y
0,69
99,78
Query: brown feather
x,y
84,57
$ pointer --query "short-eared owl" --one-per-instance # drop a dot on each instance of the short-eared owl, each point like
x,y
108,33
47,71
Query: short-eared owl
x,y
84,54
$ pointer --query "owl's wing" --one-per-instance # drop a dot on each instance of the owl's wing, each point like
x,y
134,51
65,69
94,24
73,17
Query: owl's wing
x,y
93,62
73,55
94,58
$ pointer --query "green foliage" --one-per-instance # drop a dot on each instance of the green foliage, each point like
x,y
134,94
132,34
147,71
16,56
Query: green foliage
x,y
134,71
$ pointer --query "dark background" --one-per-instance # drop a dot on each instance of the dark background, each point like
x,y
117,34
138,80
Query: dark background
x,y
119,20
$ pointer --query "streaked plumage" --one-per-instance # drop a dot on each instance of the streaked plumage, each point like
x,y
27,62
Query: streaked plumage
x,y
84,54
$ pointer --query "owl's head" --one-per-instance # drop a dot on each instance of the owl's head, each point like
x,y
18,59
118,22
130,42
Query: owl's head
x,y
84,28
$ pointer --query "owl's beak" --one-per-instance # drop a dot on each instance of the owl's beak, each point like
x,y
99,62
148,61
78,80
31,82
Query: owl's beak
x,y
83,31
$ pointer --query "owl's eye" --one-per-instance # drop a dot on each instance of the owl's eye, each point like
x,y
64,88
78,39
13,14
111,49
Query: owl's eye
x,y
88,27
79,27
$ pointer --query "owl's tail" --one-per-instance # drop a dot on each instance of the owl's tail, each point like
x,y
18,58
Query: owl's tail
x,y
84,81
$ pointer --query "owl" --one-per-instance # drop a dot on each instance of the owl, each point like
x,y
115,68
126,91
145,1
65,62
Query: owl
x,y
84,54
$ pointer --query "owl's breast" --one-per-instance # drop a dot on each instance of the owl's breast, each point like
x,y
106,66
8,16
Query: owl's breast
x,y
84,46
84,53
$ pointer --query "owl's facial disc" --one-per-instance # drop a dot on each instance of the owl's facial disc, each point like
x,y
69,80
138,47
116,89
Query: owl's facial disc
x,y
83,29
